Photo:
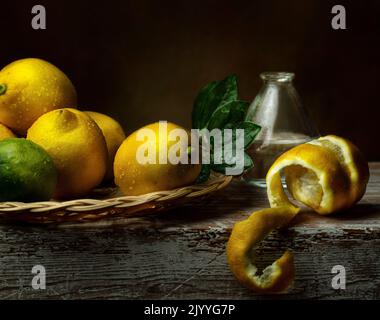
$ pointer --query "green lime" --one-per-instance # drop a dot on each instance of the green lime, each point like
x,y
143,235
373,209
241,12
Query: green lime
x,y
27,172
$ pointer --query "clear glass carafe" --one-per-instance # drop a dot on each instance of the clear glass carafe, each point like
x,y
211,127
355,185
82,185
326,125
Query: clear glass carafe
x,y
284,123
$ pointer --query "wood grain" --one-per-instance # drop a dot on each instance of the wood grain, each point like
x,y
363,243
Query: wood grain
x,y
180,253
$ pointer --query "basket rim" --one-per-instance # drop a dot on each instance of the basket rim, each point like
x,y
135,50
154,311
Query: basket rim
x,y
215,182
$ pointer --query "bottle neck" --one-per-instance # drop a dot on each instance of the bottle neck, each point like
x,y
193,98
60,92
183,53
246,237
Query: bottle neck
x,y
277,77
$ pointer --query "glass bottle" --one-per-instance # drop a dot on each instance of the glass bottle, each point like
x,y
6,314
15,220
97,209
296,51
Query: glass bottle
x,y
284,123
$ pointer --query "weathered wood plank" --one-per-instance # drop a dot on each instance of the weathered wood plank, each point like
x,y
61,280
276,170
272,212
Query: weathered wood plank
x,y
180,253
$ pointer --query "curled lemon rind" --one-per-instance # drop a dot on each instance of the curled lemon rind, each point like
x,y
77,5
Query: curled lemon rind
x,y
245,236
328,174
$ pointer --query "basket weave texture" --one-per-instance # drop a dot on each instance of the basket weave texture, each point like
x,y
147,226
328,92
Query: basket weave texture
x,y
109,203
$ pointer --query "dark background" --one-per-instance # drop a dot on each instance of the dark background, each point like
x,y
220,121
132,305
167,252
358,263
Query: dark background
x,y
142,61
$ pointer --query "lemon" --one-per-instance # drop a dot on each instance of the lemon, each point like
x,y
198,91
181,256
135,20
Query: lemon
x,y
5,132
328,174
135,178
27,172
77,146
114,135
245,236
29,88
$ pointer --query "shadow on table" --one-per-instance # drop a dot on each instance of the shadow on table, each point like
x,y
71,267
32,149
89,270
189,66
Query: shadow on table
x,y
361,213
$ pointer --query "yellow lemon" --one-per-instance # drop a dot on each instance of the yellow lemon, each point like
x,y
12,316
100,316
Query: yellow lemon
x,y
29,88
77,147
5,132
114,135
328,174
136,178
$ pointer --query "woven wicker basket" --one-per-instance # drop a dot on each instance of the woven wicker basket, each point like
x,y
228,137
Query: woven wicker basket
x,y
108,202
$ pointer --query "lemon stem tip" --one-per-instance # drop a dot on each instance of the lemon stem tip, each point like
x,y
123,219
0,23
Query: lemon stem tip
x,y
3,88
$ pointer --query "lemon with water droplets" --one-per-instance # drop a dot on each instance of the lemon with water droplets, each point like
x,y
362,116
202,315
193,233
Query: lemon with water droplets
x,y
77,146
114,135
29,88
136,178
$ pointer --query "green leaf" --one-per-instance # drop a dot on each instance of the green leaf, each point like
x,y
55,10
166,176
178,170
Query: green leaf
x,y
250,131
205,173
211,97
248,163
217,106
232,112
221,168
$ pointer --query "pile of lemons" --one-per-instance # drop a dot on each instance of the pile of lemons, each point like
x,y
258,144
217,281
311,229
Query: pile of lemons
x,y
50,149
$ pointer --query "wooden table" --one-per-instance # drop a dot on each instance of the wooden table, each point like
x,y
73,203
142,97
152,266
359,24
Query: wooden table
x,y
181,253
